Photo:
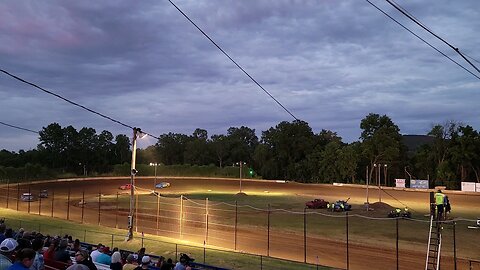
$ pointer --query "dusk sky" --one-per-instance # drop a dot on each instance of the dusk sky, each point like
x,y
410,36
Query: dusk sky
x,y
330,63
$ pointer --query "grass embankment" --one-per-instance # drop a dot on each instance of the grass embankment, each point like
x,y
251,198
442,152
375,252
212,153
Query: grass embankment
x,y
157,245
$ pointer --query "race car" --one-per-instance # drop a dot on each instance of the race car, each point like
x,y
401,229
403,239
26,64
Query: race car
x,y
26,197
399,213
316,204
43,193
125,187
162,185
340,206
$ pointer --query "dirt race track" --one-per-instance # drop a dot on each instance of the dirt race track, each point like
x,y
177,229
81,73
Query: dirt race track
x,y
291,246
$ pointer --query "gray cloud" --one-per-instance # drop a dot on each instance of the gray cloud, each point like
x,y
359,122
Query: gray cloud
x,y
329,62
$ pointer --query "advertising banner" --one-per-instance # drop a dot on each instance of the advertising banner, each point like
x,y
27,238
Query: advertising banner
x,y
400,183
468,186
478,187
422,184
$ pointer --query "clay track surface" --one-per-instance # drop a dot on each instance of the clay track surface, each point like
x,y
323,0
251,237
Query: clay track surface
x,y
281,244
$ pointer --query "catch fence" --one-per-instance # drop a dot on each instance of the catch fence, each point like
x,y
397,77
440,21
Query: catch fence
x,y
310,237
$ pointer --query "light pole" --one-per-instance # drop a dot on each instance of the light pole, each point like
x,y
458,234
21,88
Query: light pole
x,y
137,133
84,169
367,178
385,170
155,180
241,163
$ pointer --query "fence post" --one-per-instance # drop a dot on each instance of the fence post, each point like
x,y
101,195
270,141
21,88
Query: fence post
x,y
116,212
454,248
83,203
142,239
396,244
235,227
68,205
261,262
206,222
204,252
99,202
305,235
112,241
8,191
18,194
53,199
348,255
158,210
176,252
84,236
181,216
268,231
39,205
29,192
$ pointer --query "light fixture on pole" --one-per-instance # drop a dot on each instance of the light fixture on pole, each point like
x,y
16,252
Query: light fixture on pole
x,y
240,164
137,133
155,180
385,170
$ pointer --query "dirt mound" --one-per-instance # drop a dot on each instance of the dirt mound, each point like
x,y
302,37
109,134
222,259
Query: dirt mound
x,y
381,206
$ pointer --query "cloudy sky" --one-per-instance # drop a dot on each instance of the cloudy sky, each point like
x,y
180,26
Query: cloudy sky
x,y
141,62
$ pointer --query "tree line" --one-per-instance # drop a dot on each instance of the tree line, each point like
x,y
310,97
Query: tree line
x,y
448,154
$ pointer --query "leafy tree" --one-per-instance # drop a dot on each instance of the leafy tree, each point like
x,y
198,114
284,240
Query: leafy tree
x,y
171,148
197,150
241,143
219,146
381,140
284,151
122,153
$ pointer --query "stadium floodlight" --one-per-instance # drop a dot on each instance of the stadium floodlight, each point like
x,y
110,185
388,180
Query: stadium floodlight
x,y
137,133
240,164
155,164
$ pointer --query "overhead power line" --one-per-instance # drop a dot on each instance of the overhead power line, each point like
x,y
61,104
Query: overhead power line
x,y
424,41
231,59
17,127
415,20
72,102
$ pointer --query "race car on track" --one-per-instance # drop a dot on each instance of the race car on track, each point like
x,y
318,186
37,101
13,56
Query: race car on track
x,y
43,193
340,206
125,187
162,185
26,197
316,204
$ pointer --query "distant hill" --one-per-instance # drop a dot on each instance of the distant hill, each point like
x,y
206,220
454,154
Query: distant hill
x,y
413,142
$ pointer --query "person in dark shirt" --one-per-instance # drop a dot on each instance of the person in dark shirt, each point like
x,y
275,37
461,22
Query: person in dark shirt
x,y
61,254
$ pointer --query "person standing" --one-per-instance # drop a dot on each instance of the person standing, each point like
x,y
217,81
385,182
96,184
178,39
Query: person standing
x,y
448,208
439,201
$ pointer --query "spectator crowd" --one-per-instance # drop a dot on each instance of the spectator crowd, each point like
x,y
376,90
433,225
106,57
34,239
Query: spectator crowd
x,y
23,250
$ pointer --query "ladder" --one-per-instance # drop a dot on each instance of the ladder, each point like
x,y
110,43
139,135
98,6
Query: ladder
x,y
434,245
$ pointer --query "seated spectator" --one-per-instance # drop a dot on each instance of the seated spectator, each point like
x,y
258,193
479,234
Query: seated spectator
x,y
116,263
61,254
9,233
7,248
168,265
24,259
146,261
131,263
140,253
82,257
103,257
76,245
19,234
38,262
77,267
50,252
3,228
96,252
160,262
